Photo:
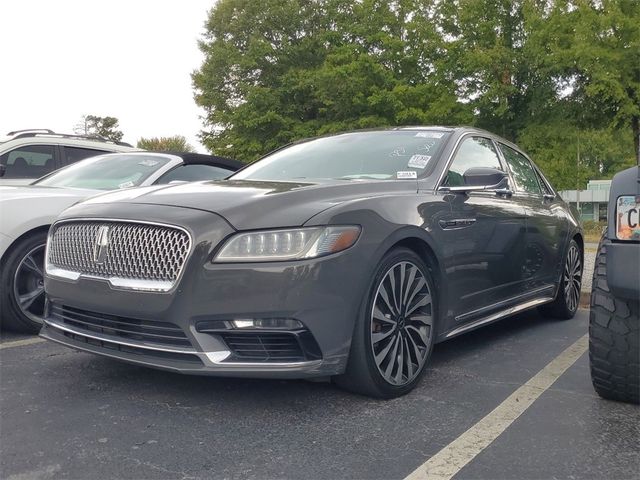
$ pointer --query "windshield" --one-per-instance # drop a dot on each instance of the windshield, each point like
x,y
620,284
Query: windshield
x,y
106,172
351,156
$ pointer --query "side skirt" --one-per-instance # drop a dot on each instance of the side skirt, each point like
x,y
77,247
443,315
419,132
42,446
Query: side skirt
x,y
499,315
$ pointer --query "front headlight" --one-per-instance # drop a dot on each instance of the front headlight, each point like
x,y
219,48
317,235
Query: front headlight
x,y
290,244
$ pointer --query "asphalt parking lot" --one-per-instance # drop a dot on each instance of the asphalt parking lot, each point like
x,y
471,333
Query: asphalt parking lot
x,y
67,414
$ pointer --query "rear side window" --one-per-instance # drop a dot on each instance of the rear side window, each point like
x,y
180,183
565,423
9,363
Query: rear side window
x,y
473,152
194,173
29,161
75,154
523,173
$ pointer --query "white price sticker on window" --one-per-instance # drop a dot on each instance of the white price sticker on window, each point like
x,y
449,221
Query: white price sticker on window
x,y
406,175
418,161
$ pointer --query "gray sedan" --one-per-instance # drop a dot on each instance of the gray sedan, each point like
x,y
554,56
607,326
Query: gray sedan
x,y
346,256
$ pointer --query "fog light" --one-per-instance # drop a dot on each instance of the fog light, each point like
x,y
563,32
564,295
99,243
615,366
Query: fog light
x,y
214,326
267,323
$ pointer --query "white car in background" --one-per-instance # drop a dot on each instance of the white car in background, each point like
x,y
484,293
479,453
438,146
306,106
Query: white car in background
x,y
26,212
26,155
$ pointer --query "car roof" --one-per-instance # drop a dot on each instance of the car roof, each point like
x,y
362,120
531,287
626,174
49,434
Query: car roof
x,y
190,158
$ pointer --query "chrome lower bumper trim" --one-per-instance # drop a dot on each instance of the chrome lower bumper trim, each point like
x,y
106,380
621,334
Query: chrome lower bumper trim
x,y
211,359
116,340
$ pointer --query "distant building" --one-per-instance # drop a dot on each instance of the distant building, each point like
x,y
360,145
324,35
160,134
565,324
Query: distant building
x,y
592,202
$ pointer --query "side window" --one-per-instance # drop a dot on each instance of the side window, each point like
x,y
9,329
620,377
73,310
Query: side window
x,y
194,173
473,152
544,184
523,173
75,154
30,161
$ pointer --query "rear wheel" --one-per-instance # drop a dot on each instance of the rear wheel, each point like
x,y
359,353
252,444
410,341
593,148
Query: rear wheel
x,y
567,299
395,331
22,281
614,337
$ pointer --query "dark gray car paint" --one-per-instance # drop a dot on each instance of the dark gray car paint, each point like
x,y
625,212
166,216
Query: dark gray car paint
x,y
505,254
623,256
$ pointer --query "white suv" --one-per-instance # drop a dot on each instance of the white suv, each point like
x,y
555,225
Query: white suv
x,y
26,155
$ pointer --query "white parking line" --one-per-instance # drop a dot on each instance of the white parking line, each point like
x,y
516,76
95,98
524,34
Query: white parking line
x,y
452,458
20,343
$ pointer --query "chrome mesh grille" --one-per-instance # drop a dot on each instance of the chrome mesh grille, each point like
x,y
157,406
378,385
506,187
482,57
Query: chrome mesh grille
x,y
133,250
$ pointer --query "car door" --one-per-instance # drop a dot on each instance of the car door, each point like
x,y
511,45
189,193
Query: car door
x,y
482,238
547,226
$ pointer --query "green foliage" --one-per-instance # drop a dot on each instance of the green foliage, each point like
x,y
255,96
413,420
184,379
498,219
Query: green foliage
x,y
104,127
556,76
176,143
593,230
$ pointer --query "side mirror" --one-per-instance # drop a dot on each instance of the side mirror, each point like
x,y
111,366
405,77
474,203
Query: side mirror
x,y
484,177
3,170
477,179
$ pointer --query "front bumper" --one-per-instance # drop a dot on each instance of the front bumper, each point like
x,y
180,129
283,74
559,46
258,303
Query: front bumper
x,y
623,274
324,295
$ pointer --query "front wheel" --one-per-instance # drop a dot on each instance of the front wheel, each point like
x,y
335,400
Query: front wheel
x,y
22,285
395,331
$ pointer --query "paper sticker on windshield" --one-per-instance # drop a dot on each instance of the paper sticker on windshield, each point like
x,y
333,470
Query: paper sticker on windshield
x,y
147,162
406,175
418,161
430,134
126,184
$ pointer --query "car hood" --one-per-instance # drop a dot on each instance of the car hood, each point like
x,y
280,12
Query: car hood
x,y
33,191
25,208
258,204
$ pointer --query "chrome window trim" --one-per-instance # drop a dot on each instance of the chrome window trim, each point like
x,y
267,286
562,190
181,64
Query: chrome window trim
x,y
117,283
456,146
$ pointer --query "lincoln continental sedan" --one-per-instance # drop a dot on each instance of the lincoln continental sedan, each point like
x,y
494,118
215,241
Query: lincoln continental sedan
x,y
345,257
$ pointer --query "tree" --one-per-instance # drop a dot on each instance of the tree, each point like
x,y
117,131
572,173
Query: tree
x,y
593,51
176,143
104,127
289,69
548,74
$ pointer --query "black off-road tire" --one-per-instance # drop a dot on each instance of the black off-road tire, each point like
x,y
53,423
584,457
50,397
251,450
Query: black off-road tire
x,y
11,316
614,337
559,308
362,375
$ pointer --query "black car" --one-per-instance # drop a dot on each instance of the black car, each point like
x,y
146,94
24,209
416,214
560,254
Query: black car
x,y
345,256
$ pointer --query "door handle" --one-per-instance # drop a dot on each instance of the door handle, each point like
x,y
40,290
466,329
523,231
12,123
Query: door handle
x,y
505,192
457,223
548,196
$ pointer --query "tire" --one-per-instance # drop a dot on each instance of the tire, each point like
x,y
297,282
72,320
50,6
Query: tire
x,y
27,257
567,301
391,346
614,334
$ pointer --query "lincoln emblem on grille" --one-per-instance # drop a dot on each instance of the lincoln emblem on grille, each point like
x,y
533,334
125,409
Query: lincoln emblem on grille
x,y
101,245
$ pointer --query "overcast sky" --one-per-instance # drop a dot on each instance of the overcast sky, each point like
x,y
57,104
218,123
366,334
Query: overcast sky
x,y
127,59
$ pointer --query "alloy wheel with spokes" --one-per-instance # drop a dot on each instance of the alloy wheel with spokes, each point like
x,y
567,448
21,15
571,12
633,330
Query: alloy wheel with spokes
x,y
28,284
22,295
572,278
401,323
